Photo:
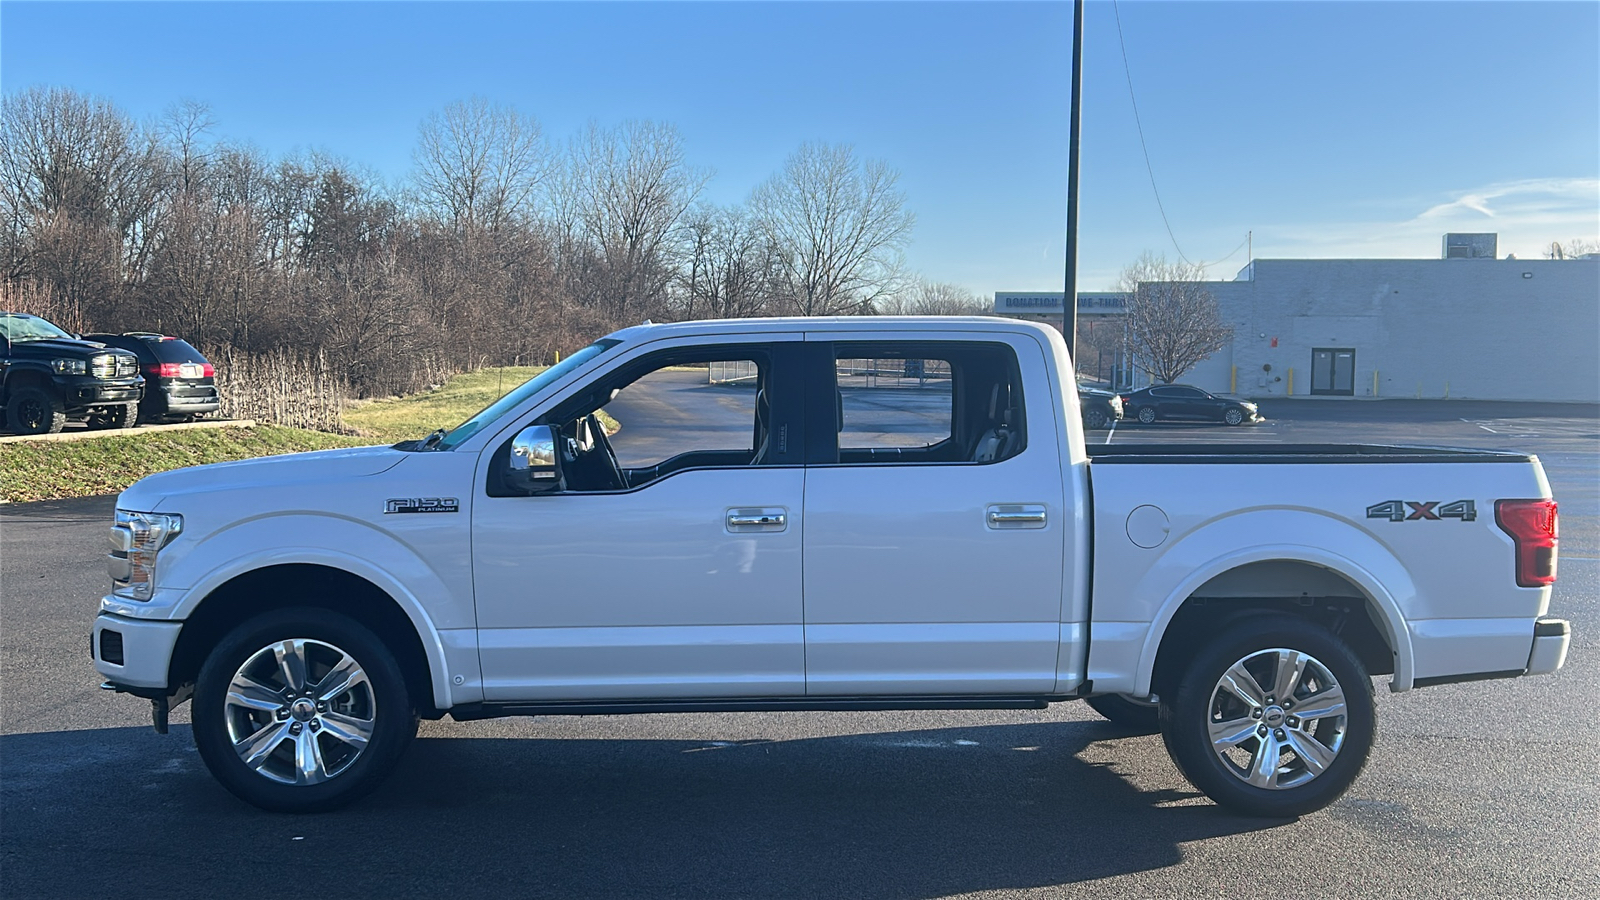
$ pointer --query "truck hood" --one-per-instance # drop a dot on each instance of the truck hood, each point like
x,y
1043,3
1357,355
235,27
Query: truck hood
x,y
54,347
263,473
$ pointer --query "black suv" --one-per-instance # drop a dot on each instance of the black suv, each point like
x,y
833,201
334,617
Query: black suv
x,y
179,384
48,375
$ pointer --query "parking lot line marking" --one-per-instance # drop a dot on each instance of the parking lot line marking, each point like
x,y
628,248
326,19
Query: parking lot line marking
x,y
1113,431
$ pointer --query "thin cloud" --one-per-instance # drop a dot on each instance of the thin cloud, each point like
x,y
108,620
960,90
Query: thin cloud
x,y
1527,215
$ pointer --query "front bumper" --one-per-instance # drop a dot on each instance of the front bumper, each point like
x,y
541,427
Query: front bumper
x,y
82,390
146,650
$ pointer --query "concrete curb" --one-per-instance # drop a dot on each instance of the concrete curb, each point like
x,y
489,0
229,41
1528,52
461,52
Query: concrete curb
x,y
86,435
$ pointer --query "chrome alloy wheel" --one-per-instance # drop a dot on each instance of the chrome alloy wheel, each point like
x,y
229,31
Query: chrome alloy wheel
x,y
1277,718
300,711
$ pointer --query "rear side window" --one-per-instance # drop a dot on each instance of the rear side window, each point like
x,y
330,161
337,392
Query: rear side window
x,y
926,402
894,403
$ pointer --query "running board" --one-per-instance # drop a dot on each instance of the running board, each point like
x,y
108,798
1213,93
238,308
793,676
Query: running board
x,y
470,711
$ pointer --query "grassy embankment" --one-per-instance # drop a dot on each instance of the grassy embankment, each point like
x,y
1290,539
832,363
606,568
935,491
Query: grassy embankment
x,y
50,470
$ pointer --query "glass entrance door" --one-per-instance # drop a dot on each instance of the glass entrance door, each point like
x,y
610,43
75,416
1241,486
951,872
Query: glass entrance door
x,y
1333,371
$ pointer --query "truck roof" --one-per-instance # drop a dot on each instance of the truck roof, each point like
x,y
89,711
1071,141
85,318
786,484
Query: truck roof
x,y
886,324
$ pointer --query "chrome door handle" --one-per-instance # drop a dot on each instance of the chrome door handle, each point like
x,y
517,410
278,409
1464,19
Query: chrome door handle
x,y
1016,515
771,519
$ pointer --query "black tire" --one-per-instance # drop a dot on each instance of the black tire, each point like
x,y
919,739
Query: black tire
x,y
1094,418
1132,715
1233,417
349,773
1187,716
32,409
122,415
1147,414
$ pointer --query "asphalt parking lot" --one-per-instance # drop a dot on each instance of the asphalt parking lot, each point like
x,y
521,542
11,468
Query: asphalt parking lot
x,y
1486,789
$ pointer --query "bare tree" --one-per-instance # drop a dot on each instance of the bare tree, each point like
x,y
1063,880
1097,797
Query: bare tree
x,y
936,298
1577,248
840,224
630,188
732,266
1173,321
478,164
77,178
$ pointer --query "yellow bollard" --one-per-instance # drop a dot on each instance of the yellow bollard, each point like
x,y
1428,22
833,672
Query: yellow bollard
x,y
1233,381
1374,382
558,356
1289,391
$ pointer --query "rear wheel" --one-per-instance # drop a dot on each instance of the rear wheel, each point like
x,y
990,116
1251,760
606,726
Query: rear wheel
x,y
1274,718
122,415
1147,414
1138,716
32,409
301,710
1094,418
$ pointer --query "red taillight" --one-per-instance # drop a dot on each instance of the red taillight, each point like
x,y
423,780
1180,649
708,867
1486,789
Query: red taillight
x,y
207,370
163,370
1532,524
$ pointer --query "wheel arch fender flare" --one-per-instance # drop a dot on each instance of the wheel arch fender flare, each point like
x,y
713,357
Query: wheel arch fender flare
x,y
433,645
1391,619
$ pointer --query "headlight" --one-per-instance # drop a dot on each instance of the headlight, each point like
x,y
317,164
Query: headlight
x,y
69,366
103,366
136,538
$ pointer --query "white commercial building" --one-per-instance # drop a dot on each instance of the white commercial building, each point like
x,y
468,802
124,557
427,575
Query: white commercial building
x,y
1461,327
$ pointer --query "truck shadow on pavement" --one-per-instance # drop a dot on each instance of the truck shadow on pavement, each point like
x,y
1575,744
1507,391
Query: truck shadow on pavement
x,y
902,814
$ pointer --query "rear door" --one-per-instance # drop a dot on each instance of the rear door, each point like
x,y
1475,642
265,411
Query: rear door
x,y
935,519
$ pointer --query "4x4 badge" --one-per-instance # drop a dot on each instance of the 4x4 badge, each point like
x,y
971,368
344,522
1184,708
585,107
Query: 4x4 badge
x,y
1422,510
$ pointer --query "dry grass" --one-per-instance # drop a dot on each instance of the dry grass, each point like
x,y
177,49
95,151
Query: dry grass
x,y
51,470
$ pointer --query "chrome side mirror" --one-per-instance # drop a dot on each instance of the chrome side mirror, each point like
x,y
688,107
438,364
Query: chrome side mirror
x,y
534,466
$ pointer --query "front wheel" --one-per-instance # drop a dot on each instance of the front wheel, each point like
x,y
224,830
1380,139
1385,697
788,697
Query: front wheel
x,y
35,410
301,710
1094,418
1233,417
1147,414
1274,718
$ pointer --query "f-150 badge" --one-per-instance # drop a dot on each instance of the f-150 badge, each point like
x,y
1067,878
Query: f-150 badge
x,y
1422,510
422,505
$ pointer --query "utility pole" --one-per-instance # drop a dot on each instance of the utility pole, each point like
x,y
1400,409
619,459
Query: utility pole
x,y
1069,297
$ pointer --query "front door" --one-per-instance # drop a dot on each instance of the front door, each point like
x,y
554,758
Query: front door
x,y
670,566
935,524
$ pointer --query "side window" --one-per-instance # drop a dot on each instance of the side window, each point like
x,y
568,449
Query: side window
x,y
693,407
893,404
689,408
927,402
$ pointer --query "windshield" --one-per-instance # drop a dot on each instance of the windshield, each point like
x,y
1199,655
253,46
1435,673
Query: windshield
x,y
19,327
528,388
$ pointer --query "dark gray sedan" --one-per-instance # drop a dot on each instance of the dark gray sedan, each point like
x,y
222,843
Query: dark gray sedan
x,y
1182,401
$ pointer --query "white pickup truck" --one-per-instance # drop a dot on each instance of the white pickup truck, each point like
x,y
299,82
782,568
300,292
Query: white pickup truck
x,y
820,514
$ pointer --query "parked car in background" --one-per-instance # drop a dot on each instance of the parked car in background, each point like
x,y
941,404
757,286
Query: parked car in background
x,y
180,384
1182,401
1100,408
48,375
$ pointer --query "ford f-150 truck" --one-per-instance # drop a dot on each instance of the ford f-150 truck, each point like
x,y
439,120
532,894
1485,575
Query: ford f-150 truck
x,y
820,514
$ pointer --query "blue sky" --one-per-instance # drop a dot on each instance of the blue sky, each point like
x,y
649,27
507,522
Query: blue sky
x,y
1327,129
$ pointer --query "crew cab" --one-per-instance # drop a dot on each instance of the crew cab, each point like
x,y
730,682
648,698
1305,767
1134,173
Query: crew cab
x,y
796,515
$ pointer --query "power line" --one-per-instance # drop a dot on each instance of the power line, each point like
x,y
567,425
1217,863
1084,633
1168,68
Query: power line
x,y
1148,168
